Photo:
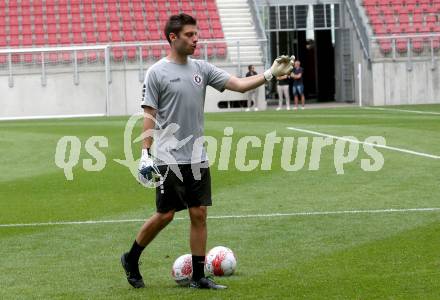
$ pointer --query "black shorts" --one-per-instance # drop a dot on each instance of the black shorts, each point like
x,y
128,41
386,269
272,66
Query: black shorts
x,y
176,195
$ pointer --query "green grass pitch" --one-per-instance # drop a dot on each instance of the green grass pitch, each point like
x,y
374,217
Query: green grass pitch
x,y
388,255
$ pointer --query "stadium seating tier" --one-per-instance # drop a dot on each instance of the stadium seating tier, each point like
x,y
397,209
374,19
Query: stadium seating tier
x,y
39,23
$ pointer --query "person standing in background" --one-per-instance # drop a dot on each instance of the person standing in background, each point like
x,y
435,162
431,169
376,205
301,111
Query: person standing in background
x,y
252,94
283,89
298,85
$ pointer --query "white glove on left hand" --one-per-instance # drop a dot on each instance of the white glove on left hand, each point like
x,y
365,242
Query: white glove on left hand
x,y
148,171
283,65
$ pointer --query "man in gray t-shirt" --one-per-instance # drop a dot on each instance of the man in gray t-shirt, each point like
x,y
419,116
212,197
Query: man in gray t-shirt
x,y
177,93
173,101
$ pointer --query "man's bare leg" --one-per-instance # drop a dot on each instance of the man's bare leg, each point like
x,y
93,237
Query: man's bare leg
x,y
198,230
152,227
148,231
197,241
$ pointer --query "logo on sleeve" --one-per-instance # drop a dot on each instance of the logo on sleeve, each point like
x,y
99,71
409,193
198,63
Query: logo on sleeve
x,y
197,79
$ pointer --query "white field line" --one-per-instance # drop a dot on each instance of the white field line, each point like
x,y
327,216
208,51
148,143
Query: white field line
x,y
405,110
51,117
365,143
272,215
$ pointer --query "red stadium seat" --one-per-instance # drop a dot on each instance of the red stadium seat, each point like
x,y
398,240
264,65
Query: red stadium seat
x,y
14,30
220,49
76,18
28,58
125,7
16,58
141,36
80,56
52,57
112,7
26,14
115,36
40,40
77,38
210,50
13,20
113,17
3,59
52,30
26,40
212,7
66,57
38,20
100,9
418,45
62,9
118,54
65,39
89,27
145,52
154,35
64,28
14,42
156,51
102,26
64,18
52,39
128,36
50,10
75,9
197,53
90,37
25,3
218,34
102,37
385,46
402,45
92,57
131,53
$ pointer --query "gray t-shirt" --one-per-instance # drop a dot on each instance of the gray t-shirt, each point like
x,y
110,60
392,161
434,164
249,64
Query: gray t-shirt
x,y
177,92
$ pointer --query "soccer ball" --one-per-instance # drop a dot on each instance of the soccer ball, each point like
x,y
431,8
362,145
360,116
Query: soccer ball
x,y
220,261
182,270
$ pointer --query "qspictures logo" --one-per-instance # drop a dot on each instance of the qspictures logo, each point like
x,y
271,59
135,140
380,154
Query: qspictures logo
x,y
224,153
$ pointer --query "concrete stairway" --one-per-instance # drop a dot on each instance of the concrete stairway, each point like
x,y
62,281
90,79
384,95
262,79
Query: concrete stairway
x,y
237,22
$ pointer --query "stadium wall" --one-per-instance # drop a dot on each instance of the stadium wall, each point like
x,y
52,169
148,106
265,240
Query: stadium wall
x,y
60,96
394,84
357,57
392,81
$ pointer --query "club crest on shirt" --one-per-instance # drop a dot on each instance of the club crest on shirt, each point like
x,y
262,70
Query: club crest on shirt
x,y
197,79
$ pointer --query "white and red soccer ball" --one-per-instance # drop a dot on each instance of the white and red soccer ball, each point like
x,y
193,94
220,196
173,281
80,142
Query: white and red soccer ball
x,y
220,261
182,269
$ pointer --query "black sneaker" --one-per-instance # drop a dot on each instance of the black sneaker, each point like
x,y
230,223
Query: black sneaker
x,y
206,283
134,277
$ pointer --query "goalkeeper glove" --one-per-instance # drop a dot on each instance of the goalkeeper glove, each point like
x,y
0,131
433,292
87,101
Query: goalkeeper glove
x,y
148,171
283,65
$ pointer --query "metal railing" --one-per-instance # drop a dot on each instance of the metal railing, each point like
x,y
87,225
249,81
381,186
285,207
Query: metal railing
x,y
76,59
407,47
256,17
359,25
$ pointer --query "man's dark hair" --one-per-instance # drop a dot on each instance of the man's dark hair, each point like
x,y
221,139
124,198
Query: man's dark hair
x,y
176,22
250,67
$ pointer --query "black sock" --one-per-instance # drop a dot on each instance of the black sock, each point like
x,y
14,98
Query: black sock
x,y
198,264
135,252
